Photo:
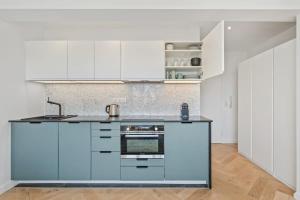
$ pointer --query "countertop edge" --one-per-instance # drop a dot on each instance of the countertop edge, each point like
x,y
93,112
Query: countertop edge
x,y
81,119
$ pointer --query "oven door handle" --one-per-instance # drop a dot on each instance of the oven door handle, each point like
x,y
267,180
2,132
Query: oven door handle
x,y
141,136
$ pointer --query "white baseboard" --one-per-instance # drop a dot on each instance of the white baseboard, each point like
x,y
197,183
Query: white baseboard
x,y
7,186
117,182
225,141
297,195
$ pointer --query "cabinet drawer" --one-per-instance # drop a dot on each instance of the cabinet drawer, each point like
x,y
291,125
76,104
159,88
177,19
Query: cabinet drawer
x,y
142,173
106,143
105,165
106,132
106,125
144,162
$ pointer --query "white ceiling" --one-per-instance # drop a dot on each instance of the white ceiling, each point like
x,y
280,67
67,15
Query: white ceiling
x,y
150,4
249,28
142,16
245,36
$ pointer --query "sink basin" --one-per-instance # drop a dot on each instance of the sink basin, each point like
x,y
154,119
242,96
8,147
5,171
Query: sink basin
x,y
50,117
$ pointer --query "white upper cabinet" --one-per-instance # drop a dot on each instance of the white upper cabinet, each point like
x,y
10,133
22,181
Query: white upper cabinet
x,y
107,60
80,60
284,113
213,52
142,60
244,108
266,111
262,110
46,60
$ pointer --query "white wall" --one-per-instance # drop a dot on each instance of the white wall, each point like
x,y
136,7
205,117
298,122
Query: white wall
x,y
219,100
273,41
149,4
18,99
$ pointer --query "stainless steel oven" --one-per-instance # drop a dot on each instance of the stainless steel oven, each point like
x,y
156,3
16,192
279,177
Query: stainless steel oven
x,y
142,141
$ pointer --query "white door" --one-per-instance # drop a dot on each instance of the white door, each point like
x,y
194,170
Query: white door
x,y
262,110
284,113
213,52
80,60
46,60
142,60
245,109
107,60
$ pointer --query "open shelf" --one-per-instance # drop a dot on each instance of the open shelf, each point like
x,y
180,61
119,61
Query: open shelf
x,y
183,50
183,53
178,81
184,67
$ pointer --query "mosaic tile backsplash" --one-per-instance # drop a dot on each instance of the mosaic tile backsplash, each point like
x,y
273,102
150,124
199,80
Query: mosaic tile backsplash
x,y
133,98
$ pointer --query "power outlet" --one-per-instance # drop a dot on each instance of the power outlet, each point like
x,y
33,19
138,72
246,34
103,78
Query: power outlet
x,y
119,100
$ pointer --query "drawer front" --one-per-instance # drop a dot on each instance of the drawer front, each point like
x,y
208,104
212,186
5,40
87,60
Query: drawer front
x,y
106,143
104,125
106,166
142,173
145,162
106,132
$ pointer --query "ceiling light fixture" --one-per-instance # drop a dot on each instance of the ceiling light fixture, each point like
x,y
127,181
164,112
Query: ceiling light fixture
x,y
229,28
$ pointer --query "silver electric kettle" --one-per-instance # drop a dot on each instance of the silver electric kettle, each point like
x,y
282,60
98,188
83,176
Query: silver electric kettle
x,y
113,110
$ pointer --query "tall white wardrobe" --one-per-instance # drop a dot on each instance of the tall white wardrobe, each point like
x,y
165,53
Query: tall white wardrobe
x,y
266,111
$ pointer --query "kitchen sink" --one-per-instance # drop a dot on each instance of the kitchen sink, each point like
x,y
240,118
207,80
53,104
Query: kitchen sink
x,y
50,117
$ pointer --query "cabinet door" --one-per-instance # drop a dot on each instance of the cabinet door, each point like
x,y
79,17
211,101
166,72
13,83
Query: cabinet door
x,y
74,151
245,109
46,60
187,151
213,52
284,113
142,60
80,60
106,165
142,173
262,110
107,60
34,149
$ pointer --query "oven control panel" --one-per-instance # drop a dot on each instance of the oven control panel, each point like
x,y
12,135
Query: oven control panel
x,y
142,128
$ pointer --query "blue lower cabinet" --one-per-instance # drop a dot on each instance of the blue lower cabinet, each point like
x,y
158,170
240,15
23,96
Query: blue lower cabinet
x,y
34,151
187,151
142,173
106,143
74,151
105,165
105,126
144,162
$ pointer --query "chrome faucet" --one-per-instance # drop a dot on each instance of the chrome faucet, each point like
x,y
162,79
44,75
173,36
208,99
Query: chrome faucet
x,y
54,103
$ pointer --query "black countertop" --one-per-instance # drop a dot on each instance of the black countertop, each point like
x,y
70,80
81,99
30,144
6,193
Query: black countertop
x,y
132,118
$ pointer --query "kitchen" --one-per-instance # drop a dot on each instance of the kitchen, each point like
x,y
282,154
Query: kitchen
x,y
144,79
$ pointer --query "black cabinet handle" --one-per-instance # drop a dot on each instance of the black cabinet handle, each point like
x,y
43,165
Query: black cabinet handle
x,y
141,167
73,122
105,122
35,122
105,129
105,151
106,137
183,122
142,159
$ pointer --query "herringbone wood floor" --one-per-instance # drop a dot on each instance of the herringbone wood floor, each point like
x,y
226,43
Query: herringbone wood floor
x,y
234,178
